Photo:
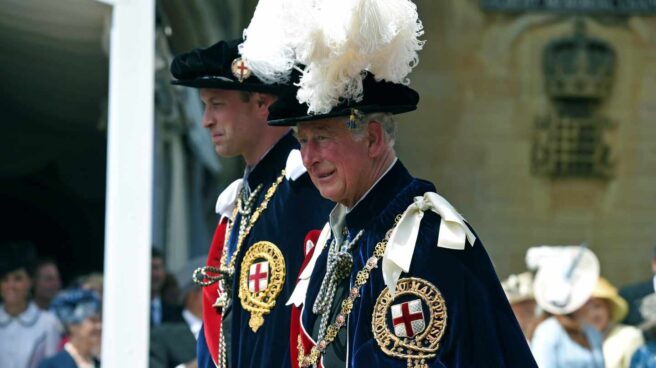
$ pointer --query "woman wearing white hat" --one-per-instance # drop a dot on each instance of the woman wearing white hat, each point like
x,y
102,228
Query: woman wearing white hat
x,y
604,311
519,291
564,282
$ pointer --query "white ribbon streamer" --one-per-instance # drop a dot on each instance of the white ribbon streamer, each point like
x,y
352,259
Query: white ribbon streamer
x,y
454,234
298,295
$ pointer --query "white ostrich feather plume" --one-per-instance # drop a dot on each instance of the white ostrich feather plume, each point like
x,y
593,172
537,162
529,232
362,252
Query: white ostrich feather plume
x,y
337,41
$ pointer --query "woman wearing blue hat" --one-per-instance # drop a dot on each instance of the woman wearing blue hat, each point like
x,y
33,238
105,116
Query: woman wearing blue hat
x,y
79,312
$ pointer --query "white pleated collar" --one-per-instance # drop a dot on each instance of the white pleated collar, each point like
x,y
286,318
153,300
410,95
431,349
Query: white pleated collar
x,y
27,318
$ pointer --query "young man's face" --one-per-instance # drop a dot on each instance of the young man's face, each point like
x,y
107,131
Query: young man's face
x,y
231,121
336,161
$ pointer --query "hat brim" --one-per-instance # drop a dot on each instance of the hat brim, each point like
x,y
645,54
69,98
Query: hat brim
x,y
619,308
216,83
558,295
292,121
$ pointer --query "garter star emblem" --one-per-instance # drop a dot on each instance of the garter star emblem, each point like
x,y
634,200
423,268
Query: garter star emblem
x,y
240,70
261,280
402,328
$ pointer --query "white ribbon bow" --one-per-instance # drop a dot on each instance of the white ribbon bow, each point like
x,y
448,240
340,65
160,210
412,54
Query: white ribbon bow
x,y
294,167
227,200
454,233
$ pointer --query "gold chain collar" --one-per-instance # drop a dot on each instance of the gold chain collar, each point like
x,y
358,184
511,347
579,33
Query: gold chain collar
x,y
347,305
201,275
245,230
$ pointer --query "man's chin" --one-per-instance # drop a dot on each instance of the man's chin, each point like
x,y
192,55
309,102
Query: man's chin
x,y
327,193
225,152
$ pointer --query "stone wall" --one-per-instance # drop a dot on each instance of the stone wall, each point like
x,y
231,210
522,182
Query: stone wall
x,y
481,85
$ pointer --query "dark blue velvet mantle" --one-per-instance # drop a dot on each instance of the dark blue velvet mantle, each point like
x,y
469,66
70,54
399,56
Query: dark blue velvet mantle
x,y
481,330
295,209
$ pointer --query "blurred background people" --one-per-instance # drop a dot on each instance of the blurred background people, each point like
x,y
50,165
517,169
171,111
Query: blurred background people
x,y
645,356
519,291
27,334
173,344
93,282
639,293
47,282
160,311
171,290
80,312
564,281
604,310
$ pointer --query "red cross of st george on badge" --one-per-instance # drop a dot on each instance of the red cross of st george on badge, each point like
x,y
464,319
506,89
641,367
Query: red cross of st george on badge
x,y
240,70
408,318
261,279
418,323
258,277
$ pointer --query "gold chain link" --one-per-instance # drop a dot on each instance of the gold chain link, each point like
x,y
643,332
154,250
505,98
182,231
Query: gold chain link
x,y
347,305
243,232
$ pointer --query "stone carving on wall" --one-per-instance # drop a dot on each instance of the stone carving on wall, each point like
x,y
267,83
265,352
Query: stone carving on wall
x,y
571,140
572,6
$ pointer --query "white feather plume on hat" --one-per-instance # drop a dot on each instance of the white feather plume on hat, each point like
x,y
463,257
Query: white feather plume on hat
x,y
337,41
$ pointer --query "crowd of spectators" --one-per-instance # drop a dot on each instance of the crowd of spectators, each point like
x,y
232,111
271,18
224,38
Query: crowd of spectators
x,y
574,317
45,326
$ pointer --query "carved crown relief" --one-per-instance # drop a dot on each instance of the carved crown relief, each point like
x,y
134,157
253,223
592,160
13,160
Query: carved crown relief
x,y
571,138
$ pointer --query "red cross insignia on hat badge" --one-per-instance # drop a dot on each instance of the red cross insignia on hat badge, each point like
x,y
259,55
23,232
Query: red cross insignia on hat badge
x,y
418,321
261,278
240,69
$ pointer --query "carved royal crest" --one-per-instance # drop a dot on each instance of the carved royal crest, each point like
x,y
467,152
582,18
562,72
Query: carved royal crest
x,y
413,335
261,280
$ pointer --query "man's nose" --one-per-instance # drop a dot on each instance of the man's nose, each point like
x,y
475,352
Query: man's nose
x,y
208,120
309,154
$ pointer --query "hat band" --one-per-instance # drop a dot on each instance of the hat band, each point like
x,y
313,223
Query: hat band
x,y
206,77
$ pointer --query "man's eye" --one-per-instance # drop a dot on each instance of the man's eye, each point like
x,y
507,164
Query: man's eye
x,y
321,138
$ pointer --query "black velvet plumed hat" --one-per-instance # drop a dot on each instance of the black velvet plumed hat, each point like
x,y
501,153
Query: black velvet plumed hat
x,y
377,96
219,66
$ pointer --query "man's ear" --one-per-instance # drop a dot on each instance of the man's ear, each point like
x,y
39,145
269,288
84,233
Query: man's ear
x,y
263,101
375,138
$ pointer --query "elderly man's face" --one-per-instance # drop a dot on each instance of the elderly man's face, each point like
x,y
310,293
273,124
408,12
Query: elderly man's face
x,y
338,163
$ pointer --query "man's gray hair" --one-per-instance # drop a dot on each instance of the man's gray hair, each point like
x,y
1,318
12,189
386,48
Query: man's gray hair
x,y
385,119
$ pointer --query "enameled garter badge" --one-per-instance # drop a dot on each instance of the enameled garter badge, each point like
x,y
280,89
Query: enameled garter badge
x,y
240,69
261,280
411,332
